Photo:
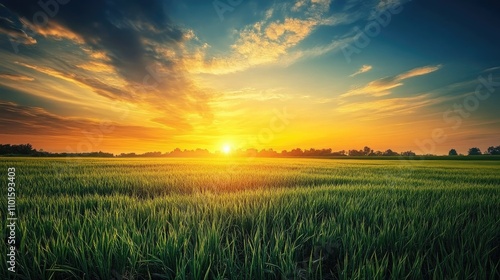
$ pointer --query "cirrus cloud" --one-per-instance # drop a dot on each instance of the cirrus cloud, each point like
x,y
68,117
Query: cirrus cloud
x,y
384,86
363,69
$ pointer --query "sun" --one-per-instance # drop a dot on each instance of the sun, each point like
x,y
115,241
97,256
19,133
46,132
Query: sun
x,y
226,149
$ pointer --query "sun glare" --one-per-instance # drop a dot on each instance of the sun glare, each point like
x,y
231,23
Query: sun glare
x,y
226,149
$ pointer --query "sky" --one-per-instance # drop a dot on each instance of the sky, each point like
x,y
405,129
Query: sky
x,y
153,75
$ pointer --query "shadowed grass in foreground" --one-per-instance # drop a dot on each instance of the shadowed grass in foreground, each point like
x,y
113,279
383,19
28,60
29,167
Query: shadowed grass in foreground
x,y
261,219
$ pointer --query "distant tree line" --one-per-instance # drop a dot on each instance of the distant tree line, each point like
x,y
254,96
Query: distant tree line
x,y
476,151
23,149
28,150
175,153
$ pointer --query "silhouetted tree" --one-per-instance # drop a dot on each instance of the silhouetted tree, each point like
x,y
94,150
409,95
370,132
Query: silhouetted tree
x,y
494,150
356,153
408,154
176,153
296,152
151,154
127,155
267,153
339,153
202,152
326,152
251,152
453,152
22,149
474,151
389,152
367,151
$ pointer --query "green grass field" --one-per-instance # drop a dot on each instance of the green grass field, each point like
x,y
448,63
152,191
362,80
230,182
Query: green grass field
x,y
254,219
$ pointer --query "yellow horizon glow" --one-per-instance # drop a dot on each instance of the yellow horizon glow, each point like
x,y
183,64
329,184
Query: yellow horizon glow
x,y
226,149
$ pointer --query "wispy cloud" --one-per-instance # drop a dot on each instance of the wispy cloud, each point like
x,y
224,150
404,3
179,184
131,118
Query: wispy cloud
x,y
53,30
26,120
271,40
16,34
492,69
384,86
124,51
363,69
253,94
93,84
384,4
16,77
443,98
418,72
384,107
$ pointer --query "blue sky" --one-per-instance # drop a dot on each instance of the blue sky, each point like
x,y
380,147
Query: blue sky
x,y
189,74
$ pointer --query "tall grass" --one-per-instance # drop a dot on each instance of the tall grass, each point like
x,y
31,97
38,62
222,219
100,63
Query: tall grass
x,y
262,219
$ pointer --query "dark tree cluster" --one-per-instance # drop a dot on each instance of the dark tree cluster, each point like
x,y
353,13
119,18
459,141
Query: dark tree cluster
x,y
189,153
493,150
91,154
22,149
175,153
27,150
367,151
475,151
312,153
